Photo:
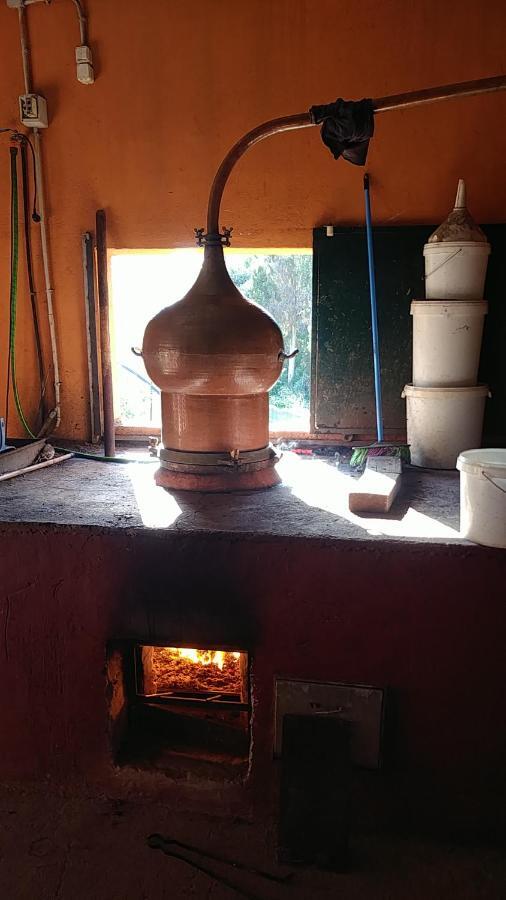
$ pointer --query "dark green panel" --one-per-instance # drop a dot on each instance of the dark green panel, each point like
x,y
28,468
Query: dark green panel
x,y
343,385
493,353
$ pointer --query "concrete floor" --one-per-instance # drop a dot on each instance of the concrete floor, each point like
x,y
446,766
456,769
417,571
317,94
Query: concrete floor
x,y
311,502
59,848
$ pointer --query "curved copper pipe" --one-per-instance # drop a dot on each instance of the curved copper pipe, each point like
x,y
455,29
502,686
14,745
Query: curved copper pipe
x,y
274,126
305,120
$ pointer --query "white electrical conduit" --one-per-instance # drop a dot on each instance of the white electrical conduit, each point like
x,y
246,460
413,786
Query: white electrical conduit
x,y
25,51
80,15
44,242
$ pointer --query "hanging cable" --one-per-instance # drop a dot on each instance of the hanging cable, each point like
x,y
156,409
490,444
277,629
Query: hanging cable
x,y
14,289
11,369
83,29
31,279
13,276
23,138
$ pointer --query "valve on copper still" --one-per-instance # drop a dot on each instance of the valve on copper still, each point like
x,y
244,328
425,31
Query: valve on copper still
x,y
222,238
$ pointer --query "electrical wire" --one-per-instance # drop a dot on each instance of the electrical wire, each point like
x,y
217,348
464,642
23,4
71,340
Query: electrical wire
x,y
80,14
13,295
14,289
13,277
23,138
82,21
31,278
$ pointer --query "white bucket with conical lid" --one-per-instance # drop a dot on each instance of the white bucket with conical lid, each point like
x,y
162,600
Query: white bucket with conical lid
x,y
456,256
447,341
483,496
443,422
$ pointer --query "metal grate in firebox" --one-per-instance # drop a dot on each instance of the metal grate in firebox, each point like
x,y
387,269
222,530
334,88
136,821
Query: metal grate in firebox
x,y
175,676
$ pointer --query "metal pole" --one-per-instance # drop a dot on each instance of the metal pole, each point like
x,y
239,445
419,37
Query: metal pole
x,y
105,340
374,314
91,336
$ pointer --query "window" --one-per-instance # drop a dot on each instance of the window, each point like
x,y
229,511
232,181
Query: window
x,y
143,282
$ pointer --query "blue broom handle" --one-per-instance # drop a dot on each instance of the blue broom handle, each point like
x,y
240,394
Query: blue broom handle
x,y
374,313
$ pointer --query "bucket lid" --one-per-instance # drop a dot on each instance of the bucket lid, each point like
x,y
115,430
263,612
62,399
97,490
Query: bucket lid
x,y
459,225
449,308
410,390
490,459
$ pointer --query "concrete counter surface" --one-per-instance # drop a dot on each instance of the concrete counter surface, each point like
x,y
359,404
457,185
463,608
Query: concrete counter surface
x,y
311,502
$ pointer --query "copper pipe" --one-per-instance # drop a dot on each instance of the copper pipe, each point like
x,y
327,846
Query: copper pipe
x,y
445,92
105,339
304,120
274,126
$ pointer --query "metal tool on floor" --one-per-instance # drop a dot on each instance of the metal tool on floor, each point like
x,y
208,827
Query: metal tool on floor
x,y
18,460
172,847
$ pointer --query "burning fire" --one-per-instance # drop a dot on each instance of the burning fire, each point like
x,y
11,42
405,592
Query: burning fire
x,y
204,657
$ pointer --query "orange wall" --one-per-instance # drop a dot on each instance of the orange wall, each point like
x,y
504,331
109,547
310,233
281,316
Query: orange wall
x,y
178,82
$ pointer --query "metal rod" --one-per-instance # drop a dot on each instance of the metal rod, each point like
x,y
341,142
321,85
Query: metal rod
x,y
162,701
105,338
304,120
91,336
158,842
35,467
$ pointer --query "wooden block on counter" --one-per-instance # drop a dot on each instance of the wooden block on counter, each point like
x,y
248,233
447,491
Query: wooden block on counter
x,y
378,486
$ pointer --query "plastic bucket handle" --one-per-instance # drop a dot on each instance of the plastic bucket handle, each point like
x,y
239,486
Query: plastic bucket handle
x,y
491,480
441,264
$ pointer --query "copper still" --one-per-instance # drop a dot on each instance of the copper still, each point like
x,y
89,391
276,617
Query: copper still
x,y
215,355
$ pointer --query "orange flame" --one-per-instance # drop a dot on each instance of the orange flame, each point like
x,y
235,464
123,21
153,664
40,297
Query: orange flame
x,y
204,657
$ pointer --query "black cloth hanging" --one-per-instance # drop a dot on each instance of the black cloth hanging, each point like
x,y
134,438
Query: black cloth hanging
x,y
347,128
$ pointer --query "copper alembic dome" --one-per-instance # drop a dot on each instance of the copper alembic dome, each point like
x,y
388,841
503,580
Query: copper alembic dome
x,y
214,356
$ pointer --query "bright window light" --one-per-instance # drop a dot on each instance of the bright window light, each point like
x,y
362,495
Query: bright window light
x,y
143,282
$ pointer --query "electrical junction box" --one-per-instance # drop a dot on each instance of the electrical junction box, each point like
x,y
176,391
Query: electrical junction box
x,y
361,706
84,64
33,110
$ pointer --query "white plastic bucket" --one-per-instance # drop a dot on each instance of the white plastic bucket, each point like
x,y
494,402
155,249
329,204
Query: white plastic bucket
x,y
455,270
483,496
447,341
442,422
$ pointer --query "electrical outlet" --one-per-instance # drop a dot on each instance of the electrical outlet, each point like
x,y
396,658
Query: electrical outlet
x,y
33,110
15,4
84,65
361,705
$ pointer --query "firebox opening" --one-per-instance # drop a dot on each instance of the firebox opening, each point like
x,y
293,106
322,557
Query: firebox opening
x,y
187,710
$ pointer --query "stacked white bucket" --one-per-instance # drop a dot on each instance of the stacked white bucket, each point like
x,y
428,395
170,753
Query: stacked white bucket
x,y
445,404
